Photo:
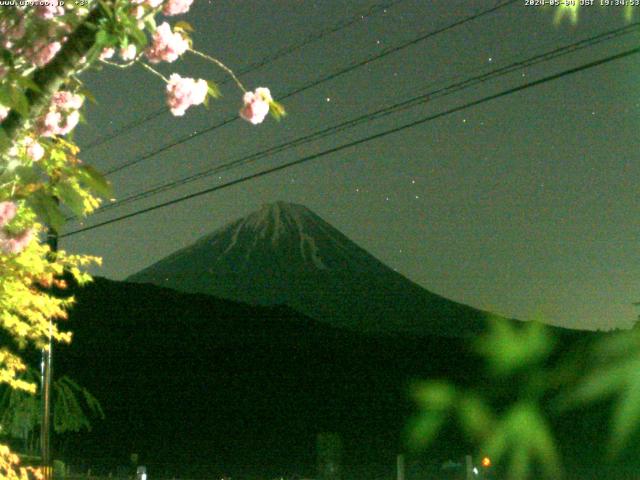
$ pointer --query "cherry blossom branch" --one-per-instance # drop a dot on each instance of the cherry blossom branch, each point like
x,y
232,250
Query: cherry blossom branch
x,y
118,65
222,66
49,78
154,71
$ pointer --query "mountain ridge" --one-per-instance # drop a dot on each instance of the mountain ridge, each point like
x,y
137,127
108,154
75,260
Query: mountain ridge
x,y
199,385
286,254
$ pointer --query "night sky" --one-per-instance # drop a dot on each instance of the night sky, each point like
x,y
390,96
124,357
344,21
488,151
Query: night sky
x,y
526,205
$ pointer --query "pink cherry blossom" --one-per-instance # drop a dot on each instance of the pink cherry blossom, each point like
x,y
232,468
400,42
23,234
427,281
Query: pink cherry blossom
x,y
49,10
4,112
55,123
35,151
71,121
176,7
138,12
256,105
41,54
62,116
166,45
15,244
7,212
12,31
17,31
184,92
129,53
67,100
150,3
49,125
107,53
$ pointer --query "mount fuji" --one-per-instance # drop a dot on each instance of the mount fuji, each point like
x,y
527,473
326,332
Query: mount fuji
x,y
284,254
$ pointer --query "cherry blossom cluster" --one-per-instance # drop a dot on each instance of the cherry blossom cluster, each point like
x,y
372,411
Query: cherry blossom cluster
x,y
35,35
171,7
31,148
166,45
256,105
62,116
9,243
185,92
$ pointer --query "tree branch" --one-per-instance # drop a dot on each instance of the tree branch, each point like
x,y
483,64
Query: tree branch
x,y
50,78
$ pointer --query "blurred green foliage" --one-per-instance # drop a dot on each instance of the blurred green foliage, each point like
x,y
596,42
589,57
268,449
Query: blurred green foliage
x,y
21,412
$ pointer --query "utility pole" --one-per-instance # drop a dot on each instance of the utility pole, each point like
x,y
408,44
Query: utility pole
x,y
468,467
45,365
400,467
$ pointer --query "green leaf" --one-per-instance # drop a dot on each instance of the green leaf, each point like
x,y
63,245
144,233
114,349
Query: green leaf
x,y
626,413
524,435
424,429
616,373
150,22
5,142
102,38
70,197
95,181
138,35
47,209
508,348
19,102
438,396
26,174
213,89
106,8
475,416
599,384
28,83
5,95
276,110
184,26
88,95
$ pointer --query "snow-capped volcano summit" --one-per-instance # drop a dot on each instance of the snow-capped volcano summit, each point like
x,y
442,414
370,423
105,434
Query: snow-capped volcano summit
x,y
286,254
287,224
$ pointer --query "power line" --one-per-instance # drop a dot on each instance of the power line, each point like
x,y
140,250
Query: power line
x,y
311,38
404,105
316,82
369,138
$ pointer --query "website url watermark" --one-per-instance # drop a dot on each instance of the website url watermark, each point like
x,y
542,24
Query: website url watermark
x,y
32,3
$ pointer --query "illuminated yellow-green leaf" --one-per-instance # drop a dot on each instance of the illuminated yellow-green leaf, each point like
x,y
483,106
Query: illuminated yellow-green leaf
x,y
213,89
70,197
476,418
616,372
437,396
524,436
19,101
5,142
276,110
47,209
184,26
424,429
508,348
95,181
